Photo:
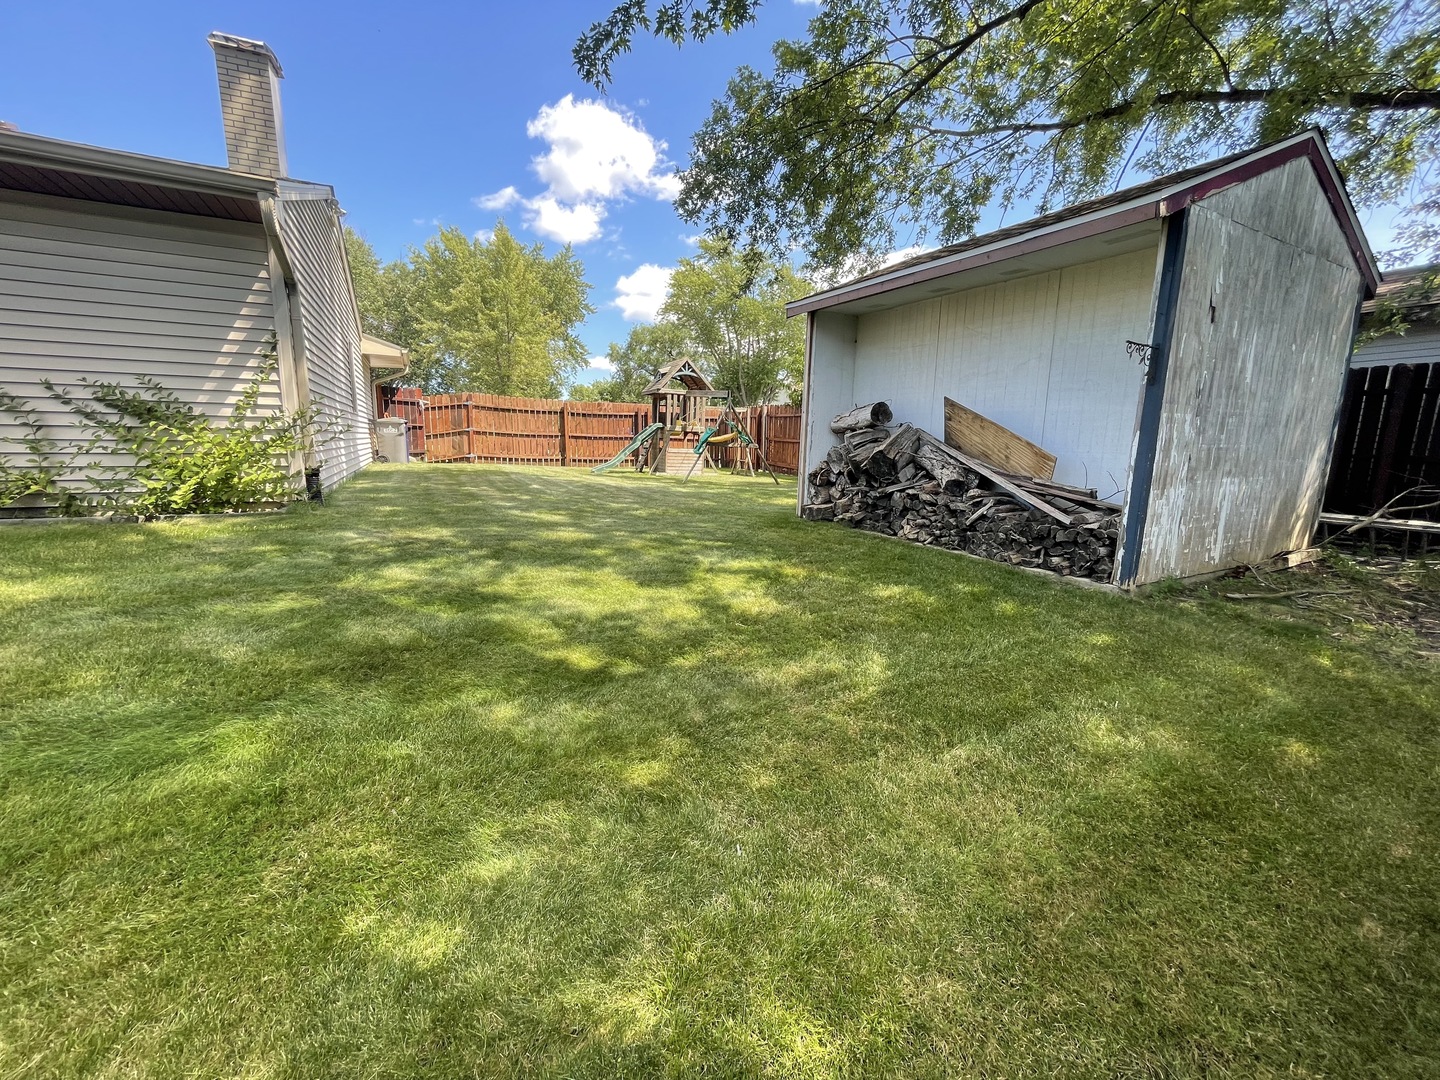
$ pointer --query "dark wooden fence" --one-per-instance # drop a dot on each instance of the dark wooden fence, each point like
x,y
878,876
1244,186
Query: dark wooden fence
x,y
544,431
407,402
1388,438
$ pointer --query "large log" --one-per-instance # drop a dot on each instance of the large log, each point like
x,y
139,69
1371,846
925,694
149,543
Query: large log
x,y
876,414
996,478
939,465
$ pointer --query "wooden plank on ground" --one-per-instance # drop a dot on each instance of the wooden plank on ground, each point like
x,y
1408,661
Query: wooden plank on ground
x,y
980,437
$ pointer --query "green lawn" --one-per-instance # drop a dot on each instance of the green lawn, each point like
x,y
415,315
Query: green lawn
x,y
502,772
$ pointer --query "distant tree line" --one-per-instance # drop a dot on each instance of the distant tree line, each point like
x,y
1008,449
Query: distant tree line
x,y
488,315
726,312
491,315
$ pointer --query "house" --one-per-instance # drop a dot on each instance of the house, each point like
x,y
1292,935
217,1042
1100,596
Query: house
x,y
1180,346
1419,343
116,265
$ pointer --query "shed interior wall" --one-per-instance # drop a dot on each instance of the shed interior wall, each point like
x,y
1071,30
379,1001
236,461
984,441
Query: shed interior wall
x,y
1043,355
829,384
1258,355
110,293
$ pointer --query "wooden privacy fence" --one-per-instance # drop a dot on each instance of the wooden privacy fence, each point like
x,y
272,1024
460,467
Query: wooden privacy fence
x,y
775,428
528,431
1388,439
545,431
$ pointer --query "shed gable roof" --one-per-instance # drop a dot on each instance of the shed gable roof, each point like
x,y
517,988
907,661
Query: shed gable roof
x,y
1157,198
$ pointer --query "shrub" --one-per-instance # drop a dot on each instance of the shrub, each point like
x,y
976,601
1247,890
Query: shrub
x,y
175,460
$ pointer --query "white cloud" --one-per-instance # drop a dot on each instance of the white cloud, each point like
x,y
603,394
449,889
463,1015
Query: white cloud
x,y
566,224
639,295
601,363
690,241
597,154
484,235
498,200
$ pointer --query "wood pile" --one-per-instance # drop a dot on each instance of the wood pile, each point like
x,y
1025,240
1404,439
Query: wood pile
x,y
906,483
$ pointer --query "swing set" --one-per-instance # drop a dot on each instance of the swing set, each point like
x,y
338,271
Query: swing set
x,y
680,396
748,448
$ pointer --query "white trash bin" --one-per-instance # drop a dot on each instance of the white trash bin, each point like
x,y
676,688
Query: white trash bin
x,y
391,438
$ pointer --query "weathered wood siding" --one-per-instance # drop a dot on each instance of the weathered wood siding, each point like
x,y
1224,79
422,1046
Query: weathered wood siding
x,y
1420,344
109,293
1044,355
329,338
1266,308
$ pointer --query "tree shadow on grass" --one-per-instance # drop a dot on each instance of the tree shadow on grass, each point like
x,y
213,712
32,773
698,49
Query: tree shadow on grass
x,y
496,771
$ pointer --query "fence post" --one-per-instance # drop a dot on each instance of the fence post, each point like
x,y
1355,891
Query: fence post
x,y
564,433
468,415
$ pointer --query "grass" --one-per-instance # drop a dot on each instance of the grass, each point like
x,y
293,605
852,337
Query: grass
x,y
499,772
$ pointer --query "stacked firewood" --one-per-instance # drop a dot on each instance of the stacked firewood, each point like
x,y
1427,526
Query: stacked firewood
x,y
906,483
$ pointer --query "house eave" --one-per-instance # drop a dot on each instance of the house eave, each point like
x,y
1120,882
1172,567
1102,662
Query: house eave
x,y
40,152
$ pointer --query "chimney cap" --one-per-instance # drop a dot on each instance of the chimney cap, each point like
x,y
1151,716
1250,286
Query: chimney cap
x,y
230,41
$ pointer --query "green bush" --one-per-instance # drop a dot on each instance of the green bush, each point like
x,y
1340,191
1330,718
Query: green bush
x,y
175,460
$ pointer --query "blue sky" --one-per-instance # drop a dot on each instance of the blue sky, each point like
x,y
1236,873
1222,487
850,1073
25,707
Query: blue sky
x,y
418,114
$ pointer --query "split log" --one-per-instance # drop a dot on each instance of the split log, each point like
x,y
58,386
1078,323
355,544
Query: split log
x,y
875,414
997,479
938,465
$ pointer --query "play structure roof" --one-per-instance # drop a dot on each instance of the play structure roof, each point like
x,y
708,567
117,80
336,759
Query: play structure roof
x,y
683,369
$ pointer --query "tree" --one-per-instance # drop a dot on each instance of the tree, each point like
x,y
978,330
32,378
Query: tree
x,y
389,309
636,363
368,279
910,116
729,308
491,316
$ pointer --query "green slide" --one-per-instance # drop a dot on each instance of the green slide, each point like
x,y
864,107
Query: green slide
x,y
635,444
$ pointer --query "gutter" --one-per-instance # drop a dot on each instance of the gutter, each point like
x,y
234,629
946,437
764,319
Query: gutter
x,y
40,152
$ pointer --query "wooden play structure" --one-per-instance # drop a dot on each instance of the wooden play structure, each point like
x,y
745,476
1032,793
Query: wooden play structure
x,y
682,428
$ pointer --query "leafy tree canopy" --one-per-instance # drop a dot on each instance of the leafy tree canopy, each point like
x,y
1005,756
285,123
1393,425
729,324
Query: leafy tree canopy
x,y
729,305
635,363
906,117
491,316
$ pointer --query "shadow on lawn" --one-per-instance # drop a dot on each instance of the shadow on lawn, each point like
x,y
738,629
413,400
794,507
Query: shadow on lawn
x,y
499,770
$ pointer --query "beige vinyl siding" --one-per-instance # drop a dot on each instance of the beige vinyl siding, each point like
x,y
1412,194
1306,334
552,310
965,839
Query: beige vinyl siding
x,y
109,293
329,338
1420,344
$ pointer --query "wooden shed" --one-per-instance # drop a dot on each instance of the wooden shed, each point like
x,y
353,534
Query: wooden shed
x,y
1180,345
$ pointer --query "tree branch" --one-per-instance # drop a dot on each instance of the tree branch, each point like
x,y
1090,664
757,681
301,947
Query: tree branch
x,y
1401,99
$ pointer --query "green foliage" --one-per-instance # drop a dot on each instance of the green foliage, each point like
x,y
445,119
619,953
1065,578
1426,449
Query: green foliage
x,y
486,315
47,463
648,348
729,307
151,454
895,118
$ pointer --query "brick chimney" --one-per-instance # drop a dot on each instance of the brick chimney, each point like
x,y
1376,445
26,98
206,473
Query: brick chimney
x,y
250,104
